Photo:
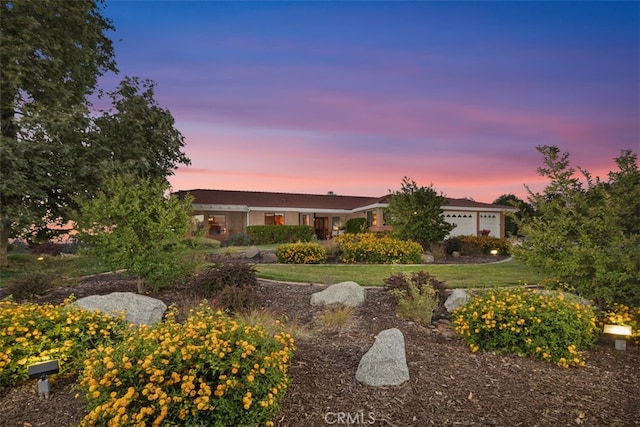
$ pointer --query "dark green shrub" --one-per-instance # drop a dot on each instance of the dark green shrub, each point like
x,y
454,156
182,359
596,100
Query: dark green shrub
x,y
483,245
477,245
453,244
301,253
18,247
227,273
544,325
356,226
71,247
200,242
47,248
230,284
273,234
238,239
31,285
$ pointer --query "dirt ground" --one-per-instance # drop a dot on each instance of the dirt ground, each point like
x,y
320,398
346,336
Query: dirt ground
x,y
448,384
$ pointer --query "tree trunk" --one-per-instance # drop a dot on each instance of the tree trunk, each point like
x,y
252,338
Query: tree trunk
x,y
4,245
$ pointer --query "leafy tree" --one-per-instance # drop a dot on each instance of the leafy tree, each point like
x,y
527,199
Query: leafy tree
x,y
416,214
52,149
52,54
131,225
137,136
587,234
525,210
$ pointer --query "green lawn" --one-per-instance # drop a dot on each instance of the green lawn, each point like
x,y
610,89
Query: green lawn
x,y
508,273
456,276
65,268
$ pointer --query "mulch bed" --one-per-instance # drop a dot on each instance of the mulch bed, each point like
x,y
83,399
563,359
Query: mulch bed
x,y
449,385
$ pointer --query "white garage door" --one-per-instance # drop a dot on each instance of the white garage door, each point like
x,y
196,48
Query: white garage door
x,y
490,221
465,223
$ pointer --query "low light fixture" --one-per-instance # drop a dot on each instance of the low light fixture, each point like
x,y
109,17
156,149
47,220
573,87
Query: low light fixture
x,y
42,370
620,331
494,252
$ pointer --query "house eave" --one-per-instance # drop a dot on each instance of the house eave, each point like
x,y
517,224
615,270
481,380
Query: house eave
x,y
301,210
477,209
369,207
214,207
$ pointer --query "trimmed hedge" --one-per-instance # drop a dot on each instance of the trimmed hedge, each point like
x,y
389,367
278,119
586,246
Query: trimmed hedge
x,y
270,234
356,226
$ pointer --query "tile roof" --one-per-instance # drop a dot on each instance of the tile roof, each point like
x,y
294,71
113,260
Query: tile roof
x,y
307,201
277,200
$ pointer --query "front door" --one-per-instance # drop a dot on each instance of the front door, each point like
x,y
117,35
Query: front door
x,y
321,225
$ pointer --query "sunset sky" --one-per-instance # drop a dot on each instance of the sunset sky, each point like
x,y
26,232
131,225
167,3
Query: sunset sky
x,y
349,97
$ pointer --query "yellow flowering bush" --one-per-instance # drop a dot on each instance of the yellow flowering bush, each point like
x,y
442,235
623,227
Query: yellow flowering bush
x,y
212,370
301,253
620,314
546,325
31,333
369,248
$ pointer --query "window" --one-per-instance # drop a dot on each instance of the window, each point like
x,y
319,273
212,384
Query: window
x,y
274,219
217,224
305,219
372,218
335,223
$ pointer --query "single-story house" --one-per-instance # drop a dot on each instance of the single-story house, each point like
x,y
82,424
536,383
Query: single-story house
x,y
223,213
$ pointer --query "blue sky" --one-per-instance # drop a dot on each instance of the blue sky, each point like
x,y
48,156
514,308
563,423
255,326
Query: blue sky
x,y
350,97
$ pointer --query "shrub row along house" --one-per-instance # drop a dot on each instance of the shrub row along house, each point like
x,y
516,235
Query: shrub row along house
x,y
222,213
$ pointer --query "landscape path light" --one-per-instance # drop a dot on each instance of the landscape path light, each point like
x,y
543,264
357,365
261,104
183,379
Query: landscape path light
x,y
619,331
41,371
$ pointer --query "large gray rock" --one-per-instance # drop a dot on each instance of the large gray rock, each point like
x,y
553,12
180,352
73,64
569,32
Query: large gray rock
x,y
269,257
428,259
138,309
385,363
348,294
252,252
458,298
